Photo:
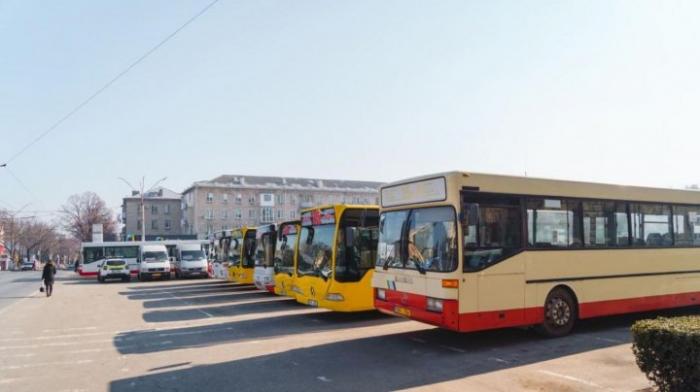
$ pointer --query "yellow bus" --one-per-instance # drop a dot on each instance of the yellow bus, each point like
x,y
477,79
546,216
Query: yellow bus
x,y
285,257
468,251
242,251
336,253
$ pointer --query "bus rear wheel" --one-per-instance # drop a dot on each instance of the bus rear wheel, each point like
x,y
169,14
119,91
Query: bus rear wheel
x,y
559,313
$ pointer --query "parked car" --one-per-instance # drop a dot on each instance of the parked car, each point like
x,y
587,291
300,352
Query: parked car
x,y
28,266
114,269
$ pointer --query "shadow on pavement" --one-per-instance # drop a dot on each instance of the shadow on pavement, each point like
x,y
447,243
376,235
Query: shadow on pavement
x,y
188,292
383,363
148,341
268,305
205,299
200,283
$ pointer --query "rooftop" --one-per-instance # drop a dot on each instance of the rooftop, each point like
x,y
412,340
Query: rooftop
x,y
287,183
156,193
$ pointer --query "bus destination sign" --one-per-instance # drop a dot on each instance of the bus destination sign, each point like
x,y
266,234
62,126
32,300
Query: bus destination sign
x,y
424,191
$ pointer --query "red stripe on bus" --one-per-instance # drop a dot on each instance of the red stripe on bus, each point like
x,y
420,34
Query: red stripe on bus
x,y
640,304
478,321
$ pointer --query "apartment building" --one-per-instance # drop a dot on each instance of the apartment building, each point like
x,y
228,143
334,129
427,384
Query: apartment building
x,y
163,215
230,201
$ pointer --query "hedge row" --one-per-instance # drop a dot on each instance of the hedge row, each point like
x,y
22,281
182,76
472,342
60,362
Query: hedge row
x,y
668,352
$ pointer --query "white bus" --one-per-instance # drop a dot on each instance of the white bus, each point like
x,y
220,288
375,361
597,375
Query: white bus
x,y
92,254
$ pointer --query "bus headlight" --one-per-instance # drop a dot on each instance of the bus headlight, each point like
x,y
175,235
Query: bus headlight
x,y
381,294
297,290
335,297
434,305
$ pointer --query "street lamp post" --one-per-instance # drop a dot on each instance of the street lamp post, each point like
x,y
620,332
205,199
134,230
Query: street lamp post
x,y
143,203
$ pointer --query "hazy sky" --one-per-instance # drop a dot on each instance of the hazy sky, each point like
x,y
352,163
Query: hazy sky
x,y
375,90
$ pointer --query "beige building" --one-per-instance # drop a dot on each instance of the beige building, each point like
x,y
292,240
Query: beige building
x,y
163,215
231,201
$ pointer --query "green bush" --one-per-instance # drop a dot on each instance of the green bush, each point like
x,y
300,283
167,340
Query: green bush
x,y
668,352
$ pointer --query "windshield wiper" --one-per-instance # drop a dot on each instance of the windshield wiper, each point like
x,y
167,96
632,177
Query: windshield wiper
x,y
419,266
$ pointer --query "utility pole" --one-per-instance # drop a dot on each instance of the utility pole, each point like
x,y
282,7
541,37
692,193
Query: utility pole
x,y
142,192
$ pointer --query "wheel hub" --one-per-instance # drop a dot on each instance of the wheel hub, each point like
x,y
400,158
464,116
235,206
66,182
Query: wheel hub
x,y
559,312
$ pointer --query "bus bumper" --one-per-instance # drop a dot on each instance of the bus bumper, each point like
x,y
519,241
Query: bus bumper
x,y
414,306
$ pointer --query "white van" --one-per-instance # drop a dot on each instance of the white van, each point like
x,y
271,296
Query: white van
x,y
153,262
190,260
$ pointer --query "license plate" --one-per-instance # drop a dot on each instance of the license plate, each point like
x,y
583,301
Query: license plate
x,y
400,310
156,275
313,303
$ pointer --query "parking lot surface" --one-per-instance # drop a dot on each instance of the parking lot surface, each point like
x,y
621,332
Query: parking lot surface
x,y
211,335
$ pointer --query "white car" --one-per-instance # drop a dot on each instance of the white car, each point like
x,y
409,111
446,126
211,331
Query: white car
x,y
114,269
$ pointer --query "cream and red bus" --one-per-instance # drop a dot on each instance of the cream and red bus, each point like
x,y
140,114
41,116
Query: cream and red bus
x,y
468,251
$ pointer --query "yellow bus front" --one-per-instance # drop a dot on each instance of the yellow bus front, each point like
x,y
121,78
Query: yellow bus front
x,y
242,251
336,253
285,258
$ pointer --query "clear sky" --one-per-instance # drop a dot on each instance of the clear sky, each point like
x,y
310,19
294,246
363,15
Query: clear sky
x,y
374,90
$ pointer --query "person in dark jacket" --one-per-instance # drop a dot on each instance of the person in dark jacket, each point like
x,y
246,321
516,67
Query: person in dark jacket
x,y
48,276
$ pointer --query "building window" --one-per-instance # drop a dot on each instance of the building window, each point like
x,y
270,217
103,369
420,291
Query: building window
x,y
239,198
224,214
167,225
166,209
280,198
209,214
292,214
138,224
266,215
251,214
280,214
237,213
267,200
224,197
251,199
154,210
210,197
154,224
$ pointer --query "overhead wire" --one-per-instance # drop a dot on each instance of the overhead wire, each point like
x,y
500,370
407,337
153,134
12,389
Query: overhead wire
x,y
108,84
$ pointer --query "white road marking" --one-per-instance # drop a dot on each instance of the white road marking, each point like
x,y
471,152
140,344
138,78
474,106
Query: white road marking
x,y
324,379
418,340
498,360
455,349
69,329
572,378
616,341
26,355
43,364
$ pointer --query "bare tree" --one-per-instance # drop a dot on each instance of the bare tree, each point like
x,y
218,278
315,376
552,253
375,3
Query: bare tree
x,y
84,210
37,238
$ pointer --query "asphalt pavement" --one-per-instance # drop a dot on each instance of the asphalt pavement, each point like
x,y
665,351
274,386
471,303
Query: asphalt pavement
x,y
18,286
212,335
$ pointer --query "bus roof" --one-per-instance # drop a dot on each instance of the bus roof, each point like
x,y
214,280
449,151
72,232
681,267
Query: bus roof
x,y
325,206
519,185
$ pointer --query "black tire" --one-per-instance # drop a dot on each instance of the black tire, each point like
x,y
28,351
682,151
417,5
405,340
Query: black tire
x,y
100,279
560,313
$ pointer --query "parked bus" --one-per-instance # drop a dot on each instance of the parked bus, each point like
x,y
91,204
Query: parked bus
x,y
92,254
220,243
286,257
242,252
336,255
263,275
468,252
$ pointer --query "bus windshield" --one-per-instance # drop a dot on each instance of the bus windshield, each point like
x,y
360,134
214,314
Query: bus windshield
x,y
265,252
189,255
356,250
424,239
249,250
315,250
284,253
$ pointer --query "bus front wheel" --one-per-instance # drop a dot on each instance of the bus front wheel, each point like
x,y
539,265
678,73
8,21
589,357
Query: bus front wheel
x,y
560,313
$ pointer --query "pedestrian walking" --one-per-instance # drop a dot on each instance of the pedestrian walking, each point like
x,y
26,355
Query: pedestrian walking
x,y
48,276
